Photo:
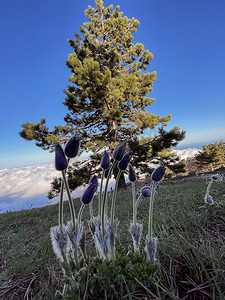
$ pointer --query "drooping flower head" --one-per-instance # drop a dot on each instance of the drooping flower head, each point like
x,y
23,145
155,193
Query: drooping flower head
x,y
146,191
60,159
122,165
131,174
88,194
119,151
158,173
215,177
105,162
72,146
208,199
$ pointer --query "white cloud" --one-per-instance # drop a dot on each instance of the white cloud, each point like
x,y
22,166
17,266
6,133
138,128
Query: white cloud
x,y
23,188
185,153
27,181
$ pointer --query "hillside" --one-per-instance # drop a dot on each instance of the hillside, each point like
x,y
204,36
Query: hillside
x,y
191,244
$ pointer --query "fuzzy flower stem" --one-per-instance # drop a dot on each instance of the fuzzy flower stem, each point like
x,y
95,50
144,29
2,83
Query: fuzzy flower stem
x,y
114,197
61,201
61,205
72,210
150,216
209,186
135,210
84,250
105,195
80,213
91,210
100,193
76,259
134,201
137,202
66,264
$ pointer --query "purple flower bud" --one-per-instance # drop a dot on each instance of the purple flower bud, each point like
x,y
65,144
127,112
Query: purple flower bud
x,y
105,162
158,173
122,165
106,173
72,146
88,194
146,192
119,151
94,180
60,159
131,174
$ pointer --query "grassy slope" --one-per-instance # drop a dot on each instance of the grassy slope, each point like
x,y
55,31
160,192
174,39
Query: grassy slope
x,y
191,244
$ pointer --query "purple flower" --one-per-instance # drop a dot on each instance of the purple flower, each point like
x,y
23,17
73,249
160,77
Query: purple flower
x,y
72,146
158,173
88,194
106,173
122,165
105,162
131,174
119,151
60,159
146,192
94,180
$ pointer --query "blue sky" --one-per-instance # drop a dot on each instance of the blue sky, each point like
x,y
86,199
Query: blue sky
x,y
187,40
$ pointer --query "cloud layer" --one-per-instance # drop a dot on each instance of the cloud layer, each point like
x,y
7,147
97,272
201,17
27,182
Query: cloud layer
x,y
22,188
27,187
185,153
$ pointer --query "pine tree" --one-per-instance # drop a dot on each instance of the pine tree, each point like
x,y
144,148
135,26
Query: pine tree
x,y
108,98
212,156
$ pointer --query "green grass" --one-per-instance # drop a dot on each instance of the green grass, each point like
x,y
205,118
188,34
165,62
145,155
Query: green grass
x,y
191,250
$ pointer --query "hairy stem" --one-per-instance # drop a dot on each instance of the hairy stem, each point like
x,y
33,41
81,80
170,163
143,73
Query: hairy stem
x,y
134,201
105,195
72,210
208,187
80,213
135,210
61,204
100,193
150,215
114,197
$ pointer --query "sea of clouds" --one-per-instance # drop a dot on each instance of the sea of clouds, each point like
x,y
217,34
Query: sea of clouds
x,y
27,187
